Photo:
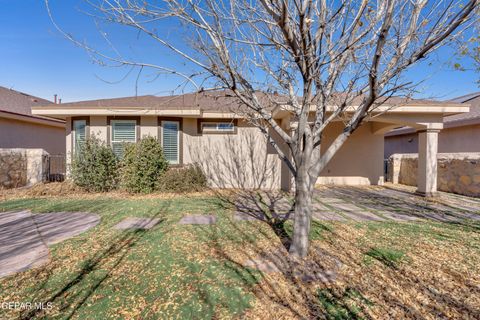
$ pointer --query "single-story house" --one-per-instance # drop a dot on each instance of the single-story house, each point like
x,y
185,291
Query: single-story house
x,y
206,129
19,128
460,132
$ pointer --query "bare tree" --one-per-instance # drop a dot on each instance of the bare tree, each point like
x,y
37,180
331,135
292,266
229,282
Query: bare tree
x,y
468,48
327,60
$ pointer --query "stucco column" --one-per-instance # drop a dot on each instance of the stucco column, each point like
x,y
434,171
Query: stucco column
x,y
427,162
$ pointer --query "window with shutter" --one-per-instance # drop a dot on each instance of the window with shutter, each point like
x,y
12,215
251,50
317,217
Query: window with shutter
x,y
123,131
170,141
80,133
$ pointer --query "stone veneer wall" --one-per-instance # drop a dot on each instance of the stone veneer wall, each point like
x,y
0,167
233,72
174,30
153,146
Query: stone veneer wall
x,y
457,172
22,167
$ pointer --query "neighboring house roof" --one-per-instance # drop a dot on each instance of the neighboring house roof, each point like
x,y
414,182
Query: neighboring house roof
x,y
473,100
212,103
18,105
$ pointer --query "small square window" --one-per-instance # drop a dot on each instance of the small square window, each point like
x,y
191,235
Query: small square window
x,y
217,127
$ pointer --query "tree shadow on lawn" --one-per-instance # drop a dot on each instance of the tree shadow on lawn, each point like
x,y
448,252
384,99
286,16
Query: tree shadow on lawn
x,y
406,203
67,297
73,294
291,288
286,289
297,275
94,271
273,208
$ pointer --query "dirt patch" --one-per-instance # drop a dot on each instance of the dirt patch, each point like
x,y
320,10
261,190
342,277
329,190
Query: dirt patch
x,y
67,188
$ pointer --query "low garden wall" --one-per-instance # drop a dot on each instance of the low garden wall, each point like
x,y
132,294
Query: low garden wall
x,y
22,167
457,172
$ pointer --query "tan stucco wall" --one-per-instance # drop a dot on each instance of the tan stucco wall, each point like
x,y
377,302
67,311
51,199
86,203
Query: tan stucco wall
x,y
68,143
98,127
240,160
20,134
358,162
245,159
450,140
148,126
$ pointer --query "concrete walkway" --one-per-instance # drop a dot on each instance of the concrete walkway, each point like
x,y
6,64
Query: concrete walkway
x,y
390,203
24,237
399,204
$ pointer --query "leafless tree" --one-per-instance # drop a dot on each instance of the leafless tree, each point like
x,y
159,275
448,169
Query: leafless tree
x,y
327,60
468,49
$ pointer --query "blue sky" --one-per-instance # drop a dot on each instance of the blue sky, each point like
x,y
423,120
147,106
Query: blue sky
x,y
36,59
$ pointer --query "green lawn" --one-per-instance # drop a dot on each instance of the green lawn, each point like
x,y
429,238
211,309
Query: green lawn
x,y
194,272
106,273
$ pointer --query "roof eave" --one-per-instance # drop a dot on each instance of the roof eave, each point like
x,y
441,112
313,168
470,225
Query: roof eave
x,y
32,119
119,111
444,109
59,111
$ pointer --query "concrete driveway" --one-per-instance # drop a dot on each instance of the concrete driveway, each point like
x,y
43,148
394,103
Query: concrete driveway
x,y
394,203
372,203
25,237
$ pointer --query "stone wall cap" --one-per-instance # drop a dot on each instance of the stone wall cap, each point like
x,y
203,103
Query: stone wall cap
x,y
403,155
20,150
459,155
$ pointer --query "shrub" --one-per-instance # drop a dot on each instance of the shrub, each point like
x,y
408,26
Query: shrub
x,y
94,166
142,165
186,179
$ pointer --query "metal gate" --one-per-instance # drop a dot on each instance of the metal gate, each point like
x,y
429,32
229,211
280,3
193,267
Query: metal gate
x,y
56,168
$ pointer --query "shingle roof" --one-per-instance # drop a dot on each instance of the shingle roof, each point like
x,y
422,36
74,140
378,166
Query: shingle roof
x,y
17,102
212,101
473,100
207,101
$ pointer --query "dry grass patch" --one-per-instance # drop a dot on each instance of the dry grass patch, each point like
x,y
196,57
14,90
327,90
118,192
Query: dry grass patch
x,y
389,270
431,278
70,190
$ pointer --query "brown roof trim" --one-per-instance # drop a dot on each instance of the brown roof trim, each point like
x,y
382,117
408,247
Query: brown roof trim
x,y
34,119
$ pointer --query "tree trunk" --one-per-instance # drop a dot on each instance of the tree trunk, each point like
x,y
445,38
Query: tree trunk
x,y
302,218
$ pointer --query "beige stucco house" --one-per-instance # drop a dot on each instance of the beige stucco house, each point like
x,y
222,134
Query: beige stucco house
x,y
19,128
460,132
206,129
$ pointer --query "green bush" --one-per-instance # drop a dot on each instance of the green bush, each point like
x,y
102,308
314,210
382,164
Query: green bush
x,y
185,179
142,165
94,166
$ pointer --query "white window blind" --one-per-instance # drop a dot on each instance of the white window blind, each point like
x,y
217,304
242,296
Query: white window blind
x,y
170,137
123,131
79,128
225,126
